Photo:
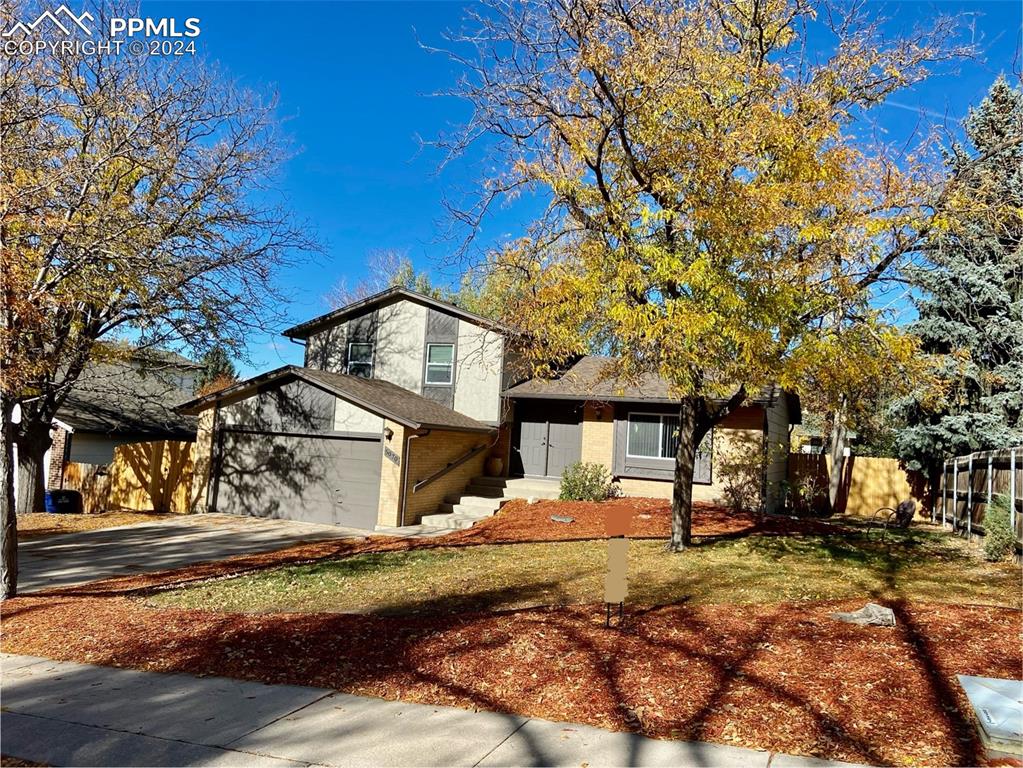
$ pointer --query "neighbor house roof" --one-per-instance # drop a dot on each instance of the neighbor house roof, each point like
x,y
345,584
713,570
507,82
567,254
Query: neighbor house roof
x,y
380,397
591,378
116,397
391,295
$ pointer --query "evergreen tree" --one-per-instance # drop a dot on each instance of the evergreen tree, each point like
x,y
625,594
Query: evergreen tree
x,y
217,370
971,302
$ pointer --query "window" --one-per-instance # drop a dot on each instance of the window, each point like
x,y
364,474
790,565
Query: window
x,y
440,359
652,436
360,359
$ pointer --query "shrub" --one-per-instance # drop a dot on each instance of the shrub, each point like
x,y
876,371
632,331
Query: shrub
x,y
999,538
584,481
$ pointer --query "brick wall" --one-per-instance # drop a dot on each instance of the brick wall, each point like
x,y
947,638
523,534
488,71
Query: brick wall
x,y
434,452
598,434
58,453
389,505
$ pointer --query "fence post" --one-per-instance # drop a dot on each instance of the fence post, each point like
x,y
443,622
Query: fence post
x,y
969,499
1012,489
990,459
955,493
944,491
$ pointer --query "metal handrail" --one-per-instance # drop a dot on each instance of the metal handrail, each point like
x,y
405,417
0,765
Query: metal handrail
x,y
444,470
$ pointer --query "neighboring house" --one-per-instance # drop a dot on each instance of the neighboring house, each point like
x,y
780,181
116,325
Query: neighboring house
x,y
121,401
401,400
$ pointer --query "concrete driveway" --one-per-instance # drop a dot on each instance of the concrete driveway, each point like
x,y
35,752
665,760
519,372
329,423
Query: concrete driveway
x,y
77,558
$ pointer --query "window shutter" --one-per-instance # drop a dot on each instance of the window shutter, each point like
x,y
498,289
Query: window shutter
x,y
704,459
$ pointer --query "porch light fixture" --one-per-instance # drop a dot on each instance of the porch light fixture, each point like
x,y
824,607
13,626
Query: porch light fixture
x,y
388,433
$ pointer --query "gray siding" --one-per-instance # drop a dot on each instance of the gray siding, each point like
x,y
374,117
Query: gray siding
x,y
478,372
94,449
441,328
400,333
295,407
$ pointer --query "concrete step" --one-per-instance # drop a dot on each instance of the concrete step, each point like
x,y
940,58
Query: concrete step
x,y
517,488
466,509
452,522
484,502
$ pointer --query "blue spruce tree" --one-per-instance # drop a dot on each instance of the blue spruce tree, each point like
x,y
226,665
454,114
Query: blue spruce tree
x,y
970,299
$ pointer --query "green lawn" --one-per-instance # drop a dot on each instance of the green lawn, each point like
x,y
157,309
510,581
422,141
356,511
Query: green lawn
x,y
922,565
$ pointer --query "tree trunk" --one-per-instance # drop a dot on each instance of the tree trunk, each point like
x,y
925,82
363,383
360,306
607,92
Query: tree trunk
x,y
8,517
838,441
33,442
685,461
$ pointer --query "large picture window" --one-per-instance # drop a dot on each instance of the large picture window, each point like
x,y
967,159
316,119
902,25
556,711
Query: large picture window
x,y
651,442
440,363
360,359
652,436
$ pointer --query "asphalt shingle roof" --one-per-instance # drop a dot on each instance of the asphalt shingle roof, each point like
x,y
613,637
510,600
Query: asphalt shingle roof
x,y
380,397
593,378
118,398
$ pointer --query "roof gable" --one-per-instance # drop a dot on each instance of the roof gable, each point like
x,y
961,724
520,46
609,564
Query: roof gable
x,y
390,296
375,395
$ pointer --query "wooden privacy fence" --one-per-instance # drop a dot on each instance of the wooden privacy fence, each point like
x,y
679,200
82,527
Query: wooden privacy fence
x,y
143,476
968,483
868,483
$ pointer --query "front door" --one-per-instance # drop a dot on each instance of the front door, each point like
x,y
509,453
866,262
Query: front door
x,y
548,437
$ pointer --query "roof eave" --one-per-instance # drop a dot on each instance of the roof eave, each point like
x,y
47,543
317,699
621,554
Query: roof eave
x,y
304,330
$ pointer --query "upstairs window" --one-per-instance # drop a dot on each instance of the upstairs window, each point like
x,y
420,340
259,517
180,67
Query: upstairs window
x,y
360,359
440,360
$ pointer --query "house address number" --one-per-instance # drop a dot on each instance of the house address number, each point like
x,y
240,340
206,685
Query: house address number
x,y
392,456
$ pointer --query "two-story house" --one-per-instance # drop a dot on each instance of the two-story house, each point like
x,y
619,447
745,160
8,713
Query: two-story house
x,y
403,398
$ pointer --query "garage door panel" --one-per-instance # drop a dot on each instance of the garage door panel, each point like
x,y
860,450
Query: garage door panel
x,y
306,478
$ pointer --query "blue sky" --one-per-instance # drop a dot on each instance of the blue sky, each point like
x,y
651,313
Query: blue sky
x,y
354,88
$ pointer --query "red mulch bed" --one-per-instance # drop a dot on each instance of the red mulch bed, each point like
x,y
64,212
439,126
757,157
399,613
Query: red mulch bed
x,y
781,677
651,518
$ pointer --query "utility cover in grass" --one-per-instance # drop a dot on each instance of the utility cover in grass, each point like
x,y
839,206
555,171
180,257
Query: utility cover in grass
x,y
998,709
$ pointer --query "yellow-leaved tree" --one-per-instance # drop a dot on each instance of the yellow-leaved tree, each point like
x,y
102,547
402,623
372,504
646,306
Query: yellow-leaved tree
x,y
715,208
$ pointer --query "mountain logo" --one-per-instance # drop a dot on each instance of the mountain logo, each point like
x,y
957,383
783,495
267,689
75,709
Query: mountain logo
x,y
62,18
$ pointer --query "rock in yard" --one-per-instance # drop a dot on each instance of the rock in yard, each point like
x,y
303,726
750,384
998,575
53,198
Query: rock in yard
x,y
871,613
562,519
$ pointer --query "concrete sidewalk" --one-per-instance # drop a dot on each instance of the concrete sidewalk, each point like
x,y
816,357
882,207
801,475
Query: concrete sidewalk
x,y
66,714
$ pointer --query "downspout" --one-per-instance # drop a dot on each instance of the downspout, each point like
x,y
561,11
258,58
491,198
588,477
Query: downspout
x,y
404,471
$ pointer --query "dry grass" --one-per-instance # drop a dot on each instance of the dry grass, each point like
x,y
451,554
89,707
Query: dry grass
x,y
921,565
42,524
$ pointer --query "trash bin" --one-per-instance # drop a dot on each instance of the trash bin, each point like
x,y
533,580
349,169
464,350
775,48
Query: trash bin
x,y
64,502
48,504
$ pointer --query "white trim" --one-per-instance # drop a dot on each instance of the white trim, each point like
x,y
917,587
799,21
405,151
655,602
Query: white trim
x,y
449,366
348,363
65,426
